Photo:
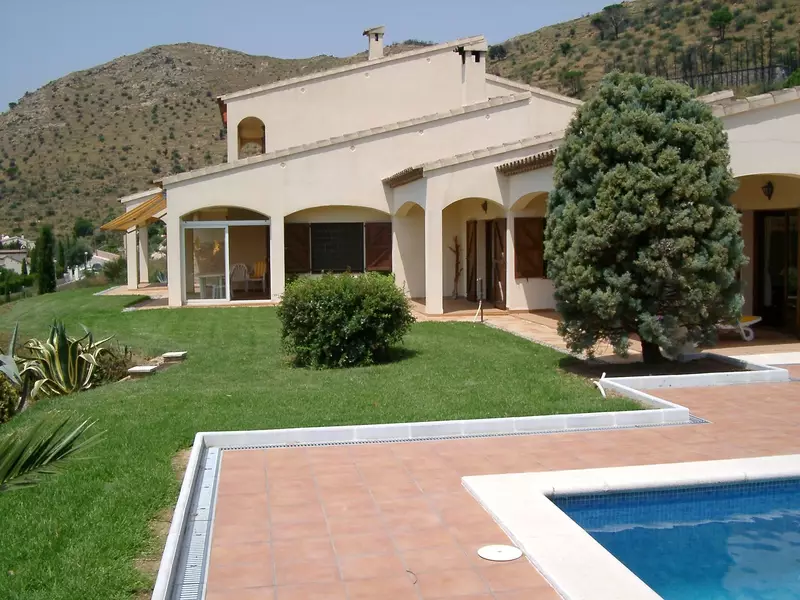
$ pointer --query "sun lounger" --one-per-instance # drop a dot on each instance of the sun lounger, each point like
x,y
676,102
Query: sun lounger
x,y
744,327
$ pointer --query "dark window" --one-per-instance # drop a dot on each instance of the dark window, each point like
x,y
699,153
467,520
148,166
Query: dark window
x,y
337,247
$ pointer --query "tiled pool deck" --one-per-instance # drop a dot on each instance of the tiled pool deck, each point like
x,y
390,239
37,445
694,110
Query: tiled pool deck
x,y
392,521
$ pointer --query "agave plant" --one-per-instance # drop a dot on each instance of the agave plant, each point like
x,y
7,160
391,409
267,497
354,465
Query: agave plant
x,y
62,364
26,457
8,364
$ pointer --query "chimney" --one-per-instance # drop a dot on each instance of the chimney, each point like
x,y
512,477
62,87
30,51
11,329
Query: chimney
x,y
375,36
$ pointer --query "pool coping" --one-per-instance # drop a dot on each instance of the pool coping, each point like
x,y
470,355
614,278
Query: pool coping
x,y
576,565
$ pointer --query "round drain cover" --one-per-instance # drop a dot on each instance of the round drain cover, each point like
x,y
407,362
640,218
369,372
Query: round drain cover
x,y
499,553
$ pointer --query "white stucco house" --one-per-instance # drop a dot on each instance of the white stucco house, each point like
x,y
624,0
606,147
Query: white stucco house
x,y
382,164
12,260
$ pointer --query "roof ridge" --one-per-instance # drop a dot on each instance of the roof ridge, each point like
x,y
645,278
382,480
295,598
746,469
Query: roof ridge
x,y
348,137
534,90
416,172
490,151
347,68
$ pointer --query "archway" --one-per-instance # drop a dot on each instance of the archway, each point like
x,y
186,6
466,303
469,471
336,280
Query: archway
x,y
769,204
251,136
474,250
337,239
226,255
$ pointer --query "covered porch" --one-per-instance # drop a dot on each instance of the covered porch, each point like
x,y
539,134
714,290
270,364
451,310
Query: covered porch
x,y
141,210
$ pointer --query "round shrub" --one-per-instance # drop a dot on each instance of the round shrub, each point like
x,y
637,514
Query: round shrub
x,y
343,320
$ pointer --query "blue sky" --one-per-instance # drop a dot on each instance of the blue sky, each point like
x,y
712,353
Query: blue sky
x,y
42,40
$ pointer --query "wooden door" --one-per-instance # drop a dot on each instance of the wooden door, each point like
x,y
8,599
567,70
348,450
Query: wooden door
x,y
472,261
499,262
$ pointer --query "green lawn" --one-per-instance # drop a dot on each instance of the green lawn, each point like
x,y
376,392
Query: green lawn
x,y
78,535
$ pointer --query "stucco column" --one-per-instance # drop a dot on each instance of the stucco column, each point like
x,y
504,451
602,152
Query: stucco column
x,y
175,253
434,304
277,268
130,257
144,271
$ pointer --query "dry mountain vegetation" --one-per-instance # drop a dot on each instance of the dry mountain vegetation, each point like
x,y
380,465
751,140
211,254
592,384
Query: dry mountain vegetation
x,y
72,147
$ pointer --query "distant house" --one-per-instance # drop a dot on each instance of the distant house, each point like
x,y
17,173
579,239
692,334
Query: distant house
x,y
18,241
380,164
12,260
100,258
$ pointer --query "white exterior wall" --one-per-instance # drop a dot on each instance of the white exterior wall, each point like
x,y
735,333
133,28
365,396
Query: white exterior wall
x,y
765,140
377,94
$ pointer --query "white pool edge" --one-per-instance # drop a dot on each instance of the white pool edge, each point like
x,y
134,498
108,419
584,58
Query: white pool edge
x,y
575,564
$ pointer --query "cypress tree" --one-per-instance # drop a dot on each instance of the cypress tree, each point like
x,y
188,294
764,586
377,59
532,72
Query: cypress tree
x,y
641,237
46,268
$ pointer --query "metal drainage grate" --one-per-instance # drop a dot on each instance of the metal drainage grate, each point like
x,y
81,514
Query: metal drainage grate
x,y
193,558
693,420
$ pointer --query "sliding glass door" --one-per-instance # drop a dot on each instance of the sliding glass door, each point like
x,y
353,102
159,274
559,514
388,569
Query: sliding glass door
x,y
208,271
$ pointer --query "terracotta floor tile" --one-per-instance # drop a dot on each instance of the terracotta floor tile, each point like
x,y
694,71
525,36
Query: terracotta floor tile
x,y
446,557
312,591
388,588
446,584
262,593
350,525
240,534
238,576
512,576
306,572
297,513
422,538
371,566
357,544
257,552
292,531
303,550
357,507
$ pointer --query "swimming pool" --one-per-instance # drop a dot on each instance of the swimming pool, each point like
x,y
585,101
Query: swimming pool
x,y
711,530
719,542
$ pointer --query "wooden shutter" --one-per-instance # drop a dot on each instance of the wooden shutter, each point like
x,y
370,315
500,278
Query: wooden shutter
x,y
378,246
297,247
472,261
529,247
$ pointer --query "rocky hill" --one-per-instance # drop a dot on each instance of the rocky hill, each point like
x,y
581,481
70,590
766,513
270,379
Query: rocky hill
x,y
72,147
674,38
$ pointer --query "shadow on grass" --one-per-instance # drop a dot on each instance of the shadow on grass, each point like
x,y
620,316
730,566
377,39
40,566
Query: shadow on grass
x,y
397,354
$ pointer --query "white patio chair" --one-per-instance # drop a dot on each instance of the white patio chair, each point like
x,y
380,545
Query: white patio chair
x,y
240,273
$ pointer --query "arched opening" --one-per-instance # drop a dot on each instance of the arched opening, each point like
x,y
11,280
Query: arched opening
x,y
769,204
533,202
226,255
474,251
251,136
337,239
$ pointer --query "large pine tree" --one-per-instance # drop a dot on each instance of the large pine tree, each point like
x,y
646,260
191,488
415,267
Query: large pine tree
x,y
641,237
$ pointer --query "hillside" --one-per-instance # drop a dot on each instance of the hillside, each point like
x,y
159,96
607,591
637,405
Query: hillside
x,y
651,35
74,146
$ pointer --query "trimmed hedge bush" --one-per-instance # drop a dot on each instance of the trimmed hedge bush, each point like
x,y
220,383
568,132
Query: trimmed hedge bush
x,y
343,320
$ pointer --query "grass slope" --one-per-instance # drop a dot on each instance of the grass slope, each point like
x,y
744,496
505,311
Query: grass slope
x,y
78,535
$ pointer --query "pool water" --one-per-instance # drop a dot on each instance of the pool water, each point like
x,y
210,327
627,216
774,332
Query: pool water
x,y
720,542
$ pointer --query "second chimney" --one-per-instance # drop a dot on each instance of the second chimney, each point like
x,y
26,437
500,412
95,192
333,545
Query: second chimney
x,y
375,36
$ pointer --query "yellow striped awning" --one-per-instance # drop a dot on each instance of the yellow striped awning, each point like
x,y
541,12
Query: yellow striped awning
x,y
144,213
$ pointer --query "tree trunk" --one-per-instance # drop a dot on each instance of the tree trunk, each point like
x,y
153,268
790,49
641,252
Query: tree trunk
x,y
651,353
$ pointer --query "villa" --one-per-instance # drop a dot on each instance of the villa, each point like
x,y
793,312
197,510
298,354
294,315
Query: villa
x,y
424,165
